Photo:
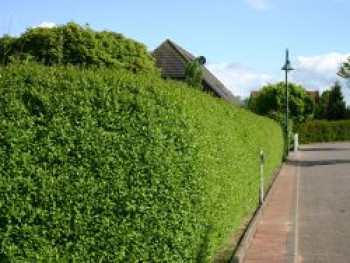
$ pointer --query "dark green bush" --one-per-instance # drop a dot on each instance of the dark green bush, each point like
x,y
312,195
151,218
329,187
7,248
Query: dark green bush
x,y
105,166
76,45
323,131
272,98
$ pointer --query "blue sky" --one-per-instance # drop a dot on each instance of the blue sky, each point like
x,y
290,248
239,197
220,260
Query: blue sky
x,y
243,40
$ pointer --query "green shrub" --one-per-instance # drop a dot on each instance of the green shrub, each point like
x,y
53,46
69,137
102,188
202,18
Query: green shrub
x,y
272,98
76,45
323,131
106,166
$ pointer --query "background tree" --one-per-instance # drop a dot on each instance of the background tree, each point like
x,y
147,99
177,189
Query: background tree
x,y
322,107
272,101
344,70
331,105
337,105
6,46
76,45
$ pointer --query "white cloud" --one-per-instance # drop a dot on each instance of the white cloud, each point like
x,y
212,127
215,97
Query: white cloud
x,y
313,72
323,64
320,72
239,79
259,4
46,25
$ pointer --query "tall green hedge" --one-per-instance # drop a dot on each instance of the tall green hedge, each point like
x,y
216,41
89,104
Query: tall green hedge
x,y
105,166
323,131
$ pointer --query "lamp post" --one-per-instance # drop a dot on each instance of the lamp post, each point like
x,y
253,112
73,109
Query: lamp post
x,y
287,67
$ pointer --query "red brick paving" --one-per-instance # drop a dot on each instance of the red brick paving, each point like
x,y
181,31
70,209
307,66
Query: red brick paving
x,y
269,243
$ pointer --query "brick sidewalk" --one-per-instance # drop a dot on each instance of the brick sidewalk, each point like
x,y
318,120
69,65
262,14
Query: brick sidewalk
x,y
274,239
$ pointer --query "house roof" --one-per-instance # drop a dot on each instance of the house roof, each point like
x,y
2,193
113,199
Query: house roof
x,y
255,93
314,93
173,59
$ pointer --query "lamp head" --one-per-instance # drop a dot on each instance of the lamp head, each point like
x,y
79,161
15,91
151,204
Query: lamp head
x,y
202,60
287,66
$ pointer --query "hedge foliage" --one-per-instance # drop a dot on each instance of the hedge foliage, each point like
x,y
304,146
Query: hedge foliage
x,y
105,166
323,131
76,45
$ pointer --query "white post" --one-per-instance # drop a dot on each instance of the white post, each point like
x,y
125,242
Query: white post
x,y
261,176
296,144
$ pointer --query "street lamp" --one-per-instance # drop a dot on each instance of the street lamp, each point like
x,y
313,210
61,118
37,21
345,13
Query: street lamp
x,y
287,67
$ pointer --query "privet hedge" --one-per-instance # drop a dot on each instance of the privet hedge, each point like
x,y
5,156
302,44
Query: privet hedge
x,y
323,131
103,166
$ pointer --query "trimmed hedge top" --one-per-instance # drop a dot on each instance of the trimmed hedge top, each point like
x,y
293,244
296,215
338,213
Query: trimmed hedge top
x,y
323,131
105,166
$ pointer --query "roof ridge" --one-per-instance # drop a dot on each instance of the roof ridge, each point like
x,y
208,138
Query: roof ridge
x,y
206,73
173,59
179,50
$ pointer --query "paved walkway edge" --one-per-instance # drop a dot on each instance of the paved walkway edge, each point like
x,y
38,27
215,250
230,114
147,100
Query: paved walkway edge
x,y
250,231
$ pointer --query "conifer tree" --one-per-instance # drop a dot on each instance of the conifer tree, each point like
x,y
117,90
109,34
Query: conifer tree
x,y
337,105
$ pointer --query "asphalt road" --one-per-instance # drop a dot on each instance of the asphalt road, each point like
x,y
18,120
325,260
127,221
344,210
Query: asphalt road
x,y
323,214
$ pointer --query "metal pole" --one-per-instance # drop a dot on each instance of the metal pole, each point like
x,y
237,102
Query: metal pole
x,y
261,176
287,67
296,145
287,108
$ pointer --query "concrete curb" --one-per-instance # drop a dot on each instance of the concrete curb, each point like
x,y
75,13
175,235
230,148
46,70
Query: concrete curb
x,y
250,231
